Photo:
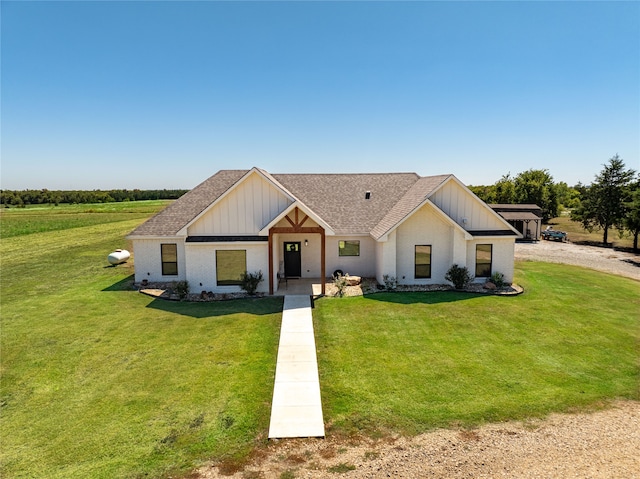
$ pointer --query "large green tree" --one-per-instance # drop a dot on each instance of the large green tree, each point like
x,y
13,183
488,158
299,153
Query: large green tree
x,y
604,202
537,187
504,190
632,218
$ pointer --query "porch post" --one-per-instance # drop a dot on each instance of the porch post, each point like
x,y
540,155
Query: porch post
x,y
270,263
322,261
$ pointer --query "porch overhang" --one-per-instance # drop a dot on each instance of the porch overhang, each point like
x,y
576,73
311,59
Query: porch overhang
x,y
296,225
297,205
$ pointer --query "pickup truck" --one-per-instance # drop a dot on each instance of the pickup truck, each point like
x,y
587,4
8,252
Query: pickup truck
x,y
550,234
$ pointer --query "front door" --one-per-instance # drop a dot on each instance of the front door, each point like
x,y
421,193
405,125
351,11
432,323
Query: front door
x,y
292,262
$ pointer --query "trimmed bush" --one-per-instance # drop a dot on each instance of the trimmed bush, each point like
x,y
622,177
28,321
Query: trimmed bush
x,y
250,281
182,289
459,276
498,280
390,282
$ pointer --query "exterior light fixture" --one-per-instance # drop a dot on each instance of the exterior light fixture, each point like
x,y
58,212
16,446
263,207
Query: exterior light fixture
x,y
306,242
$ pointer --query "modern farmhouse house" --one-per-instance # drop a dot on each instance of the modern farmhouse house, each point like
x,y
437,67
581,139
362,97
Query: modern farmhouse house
x,y
311,225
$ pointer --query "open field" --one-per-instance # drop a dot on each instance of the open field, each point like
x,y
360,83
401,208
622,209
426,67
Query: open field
x,y
41,218
578,235
100,381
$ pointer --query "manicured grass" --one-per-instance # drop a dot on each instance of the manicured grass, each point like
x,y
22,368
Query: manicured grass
x,y
412,362
42,218
100,381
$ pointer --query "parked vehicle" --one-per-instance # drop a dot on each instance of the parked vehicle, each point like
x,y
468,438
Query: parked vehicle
x,y
551,234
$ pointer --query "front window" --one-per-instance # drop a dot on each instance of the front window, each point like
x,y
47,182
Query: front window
x,y
423,261
348,248
230,264
483,260
169,255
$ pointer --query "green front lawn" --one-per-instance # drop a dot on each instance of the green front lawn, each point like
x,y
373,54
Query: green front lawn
x,y
100,381
411,362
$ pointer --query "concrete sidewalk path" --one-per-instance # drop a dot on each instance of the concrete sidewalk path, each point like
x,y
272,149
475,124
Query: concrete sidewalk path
x,y
296,409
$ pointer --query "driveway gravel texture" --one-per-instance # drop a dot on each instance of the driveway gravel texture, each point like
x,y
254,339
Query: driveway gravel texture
x,y
603,444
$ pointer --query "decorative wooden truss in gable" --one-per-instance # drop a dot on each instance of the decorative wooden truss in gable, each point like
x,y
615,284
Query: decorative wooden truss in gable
x,y
297,227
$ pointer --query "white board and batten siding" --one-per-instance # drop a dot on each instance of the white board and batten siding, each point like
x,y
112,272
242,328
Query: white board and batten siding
x,y
425,227
244,211
460,204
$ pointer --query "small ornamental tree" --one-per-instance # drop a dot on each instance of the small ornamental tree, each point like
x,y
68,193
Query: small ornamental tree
x,y
459,276
340,282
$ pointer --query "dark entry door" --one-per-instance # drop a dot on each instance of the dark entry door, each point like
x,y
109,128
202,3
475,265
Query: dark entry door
x,y
292,262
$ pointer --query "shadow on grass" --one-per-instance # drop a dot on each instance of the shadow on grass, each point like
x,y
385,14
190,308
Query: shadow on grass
x,y
257,306
125,284
424,297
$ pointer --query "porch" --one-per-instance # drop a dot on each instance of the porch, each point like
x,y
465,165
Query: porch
x,y
305,286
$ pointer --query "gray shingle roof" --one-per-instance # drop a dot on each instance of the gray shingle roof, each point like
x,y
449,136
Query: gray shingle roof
x,y
339,199
170,220
414,196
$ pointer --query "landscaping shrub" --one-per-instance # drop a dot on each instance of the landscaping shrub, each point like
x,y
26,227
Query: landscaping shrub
x,y
182,289
498,280
459,276
390,282
340,282
250,281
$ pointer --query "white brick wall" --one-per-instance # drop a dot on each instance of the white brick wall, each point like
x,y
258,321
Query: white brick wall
x,y
148,260
201,258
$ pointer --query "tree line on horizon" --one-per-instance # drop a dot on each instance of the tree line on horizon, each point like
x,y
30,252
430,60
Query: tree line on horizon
x,y
23,198
611,200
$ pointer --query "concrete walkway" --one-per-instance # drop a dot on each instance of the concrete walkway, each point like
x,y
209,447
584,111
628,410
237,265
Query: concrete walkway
x,y
296,410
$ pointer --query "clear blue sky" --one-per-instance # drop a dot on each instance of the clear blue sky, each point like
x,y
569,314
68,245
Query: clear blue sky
x,y
164,94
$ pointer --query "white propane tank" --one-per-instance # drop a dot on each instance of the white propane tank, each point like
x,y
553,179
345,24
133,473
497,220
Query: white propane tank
x,y
119,256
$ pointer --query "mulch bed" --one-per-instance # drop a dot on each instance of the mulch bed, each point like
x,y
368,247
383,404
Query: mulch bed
x,y
367,286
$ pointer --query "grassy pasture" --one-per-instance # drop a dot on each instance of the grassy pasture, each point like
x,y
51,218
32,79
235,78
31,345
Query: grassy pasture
x,y
579,235
42,218
99,381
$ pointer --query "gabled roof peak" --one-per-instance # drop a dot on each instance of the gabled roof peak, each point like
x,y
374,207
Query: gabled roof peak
x,y
339,199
